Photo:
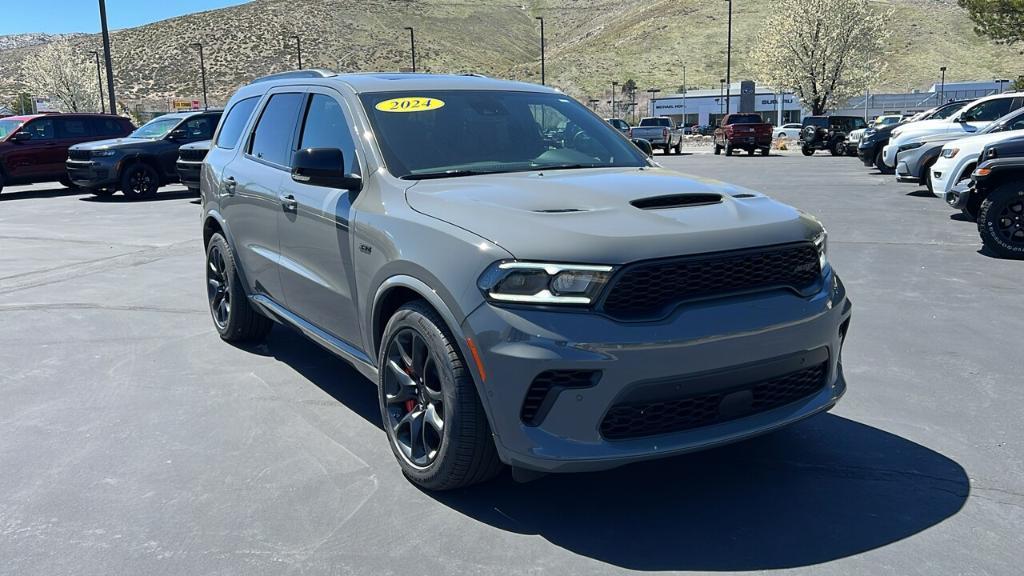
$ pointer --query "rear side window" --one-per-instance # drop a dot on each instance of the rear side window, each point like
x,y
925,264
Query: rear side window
x,y
819,121
201,127
107,127
235,121
273,138
72,128
326,127
987,111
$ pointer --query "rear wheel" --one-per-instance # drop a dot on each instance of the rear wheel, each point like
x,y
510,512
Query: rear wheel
x,y
233,317
432,415
1001,221
1,182
728,148
139,181
718,149
750,151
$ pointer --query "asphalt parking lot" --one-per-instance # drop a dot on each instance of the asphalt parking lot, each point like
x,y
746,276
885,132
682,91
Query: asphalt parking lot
x,y
134,441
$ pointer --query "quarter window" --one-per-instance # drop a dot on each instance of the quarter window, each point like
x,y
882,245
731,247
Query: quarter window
x,y
273,138
72,128
326,127
235,121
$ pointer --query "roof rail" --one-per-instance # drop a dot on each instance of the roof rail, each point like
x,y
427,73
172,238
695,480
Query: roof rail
x,y
473,74
295,74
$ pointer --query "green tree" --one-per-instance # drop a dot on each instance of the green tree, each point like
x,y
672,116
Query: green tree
x,y
1000,20
1018,84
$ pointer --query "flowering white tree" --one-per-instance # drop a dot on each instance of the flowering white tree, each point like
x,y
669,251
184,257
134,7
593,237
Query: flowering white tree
x,y
63,73
824,50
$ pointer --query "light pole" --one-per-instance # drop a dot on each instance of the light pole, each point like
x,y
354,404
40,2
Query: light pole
x,y
593,104
652,92
412,46
106,56
298,46
942,89
542,77
684,94
99,79
728,62
721,99
614,86
202,70
632,102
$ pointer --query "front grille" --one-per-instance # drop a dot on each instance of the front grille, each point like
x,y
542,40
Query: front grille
x,y
79,155
636,420
192,155
650,289
545,388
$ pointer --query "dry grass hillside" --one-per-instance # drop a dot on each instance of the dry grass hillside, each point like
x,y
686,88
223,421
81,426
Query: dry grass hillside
x,y
590,43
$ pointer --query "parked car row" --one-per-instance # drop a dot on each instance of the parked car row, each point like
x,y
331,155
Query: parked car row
x,y
103,154
969,153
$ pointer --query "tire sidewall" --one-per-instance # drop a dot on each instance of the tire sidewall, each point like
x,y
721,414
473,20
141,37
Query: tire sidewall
x,y
234,285
126,188
988,216
414,317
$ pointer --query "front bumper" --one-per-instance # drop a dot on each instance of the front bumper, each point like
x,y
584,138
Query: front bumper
x,y
93,173
866,153
889,155
710,337
903,173
189,173
958,196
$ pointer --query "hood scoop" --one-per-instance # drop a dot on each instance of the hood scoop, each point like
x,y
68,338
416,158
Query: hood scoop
x,y
676,201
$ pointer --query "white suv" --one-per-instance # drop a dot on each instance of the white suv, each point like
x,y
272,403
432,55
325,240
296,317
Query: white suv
x,y
967,121
958,158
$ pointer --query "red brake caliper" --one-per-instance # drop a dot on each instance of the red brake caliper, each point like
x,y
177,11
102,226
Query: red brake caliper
x,y
410,404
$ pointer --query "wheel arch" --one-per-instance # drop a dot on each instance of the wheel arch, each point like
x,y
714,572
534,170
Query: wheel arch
x,y
147,159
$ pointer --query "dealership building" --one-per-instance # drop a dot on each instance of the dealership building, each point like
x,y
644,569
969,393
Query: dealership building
x,y
706,107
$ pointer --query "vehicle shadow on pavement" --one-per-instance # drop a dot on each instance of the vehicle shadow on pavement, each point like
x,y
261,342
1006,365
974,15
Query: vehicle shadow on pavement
x,y
922,193
7,195
159,196
824,489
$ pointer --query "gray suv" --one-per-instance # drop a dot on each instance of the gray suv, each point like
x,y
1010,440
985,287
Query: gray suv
x,y
525,286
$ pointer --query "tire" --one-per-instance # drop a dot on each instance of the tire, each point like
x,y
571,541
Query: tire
x,y
1,182
1001,221
718,150
667,150
193,191
462,452
807,151
679,148
838,148
926,175
750,151
880,163
102,192
139,181
728,148
67,183
233,316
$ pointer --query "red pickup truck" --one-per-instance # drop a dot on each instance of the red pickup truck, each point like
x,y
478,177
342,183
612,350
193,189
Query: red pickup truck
x,y
744,131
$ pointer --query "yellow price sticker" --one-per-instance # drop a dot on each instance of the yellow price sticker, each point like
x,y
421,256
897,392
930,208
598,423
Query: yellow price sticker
x,y
409,104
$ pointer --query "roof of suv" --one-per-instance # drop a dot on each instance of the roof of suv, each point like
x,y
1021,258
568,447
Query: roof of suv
x,y
397,81
27,117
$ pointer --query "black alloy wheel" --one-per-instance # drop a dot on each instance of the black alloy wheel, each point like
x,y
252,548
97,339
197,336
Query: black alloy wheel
x,y
140,181
414,398
1010,222
1001,221
218,287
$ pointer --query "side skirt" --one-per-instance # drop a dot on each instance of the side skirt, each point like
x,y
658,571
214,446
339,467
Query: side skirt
x,y
340,348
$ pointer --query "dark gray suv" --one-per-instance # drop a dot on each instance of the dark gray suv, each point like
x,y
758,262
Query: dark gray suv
x,y
525,285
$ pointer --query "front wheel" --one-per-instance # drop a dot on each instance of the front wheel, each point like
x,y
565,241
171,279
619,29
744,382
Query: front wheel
x,y
880,164
838,148
1001,221
807,151
432,415
139,181
67,183
718,150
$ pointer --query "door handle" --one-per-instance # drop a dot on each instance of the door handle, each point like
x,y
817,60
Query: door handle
x,y
229,185
289,203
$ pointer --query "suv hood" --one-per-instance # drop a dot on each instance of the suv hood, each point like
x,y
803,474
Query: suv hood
x,y
929,127
113,143
974,144
589,215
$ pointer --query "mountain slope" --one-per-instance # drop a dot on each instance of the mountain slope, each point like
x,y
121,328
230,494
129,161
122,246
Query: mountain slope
x,y
589,43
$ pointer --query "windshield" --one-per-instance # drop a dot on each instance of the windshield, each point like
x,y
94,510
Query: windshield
x,y
1012,121
947,111
155,129
431,134
7,127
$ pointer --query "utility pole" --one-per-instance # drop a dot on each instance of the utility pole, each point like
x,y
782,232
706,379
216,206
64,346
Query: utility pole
x,y
106,56
684,94
99,79
652,92
721,99
728,63
412,45
202,69
614,85
298,46
543,80
942,90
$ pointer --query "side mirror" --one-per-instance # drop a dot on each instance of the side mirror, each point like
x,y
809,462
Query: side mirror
x,y
178,134
324,167
21,137
644,146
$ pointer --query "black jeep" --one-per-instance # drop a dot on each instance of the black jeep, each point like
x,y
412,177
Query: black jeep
x,y
828,133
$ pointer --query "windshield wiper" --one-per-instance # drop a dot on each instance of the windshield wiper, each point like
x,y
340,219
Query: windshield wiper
x,y
447,174
565,166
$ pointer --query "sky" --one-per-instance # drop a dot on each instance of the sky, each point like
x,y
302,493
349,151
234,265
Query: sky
x,y
60,16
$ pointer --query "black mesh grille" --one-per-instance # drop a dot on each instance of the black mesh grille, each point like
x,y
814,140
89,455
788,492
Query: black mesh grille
x,y
650,289
534,408
79,154
191,155
624,421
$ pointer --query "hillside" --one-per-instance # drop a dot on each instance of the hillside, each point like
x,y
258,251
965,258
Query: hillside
x,y
11,41
590,43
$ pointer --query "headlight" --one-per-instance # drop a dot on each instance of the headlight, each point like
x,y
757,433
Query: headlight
x,y
911,146
544,283
821,243
103,153
950,152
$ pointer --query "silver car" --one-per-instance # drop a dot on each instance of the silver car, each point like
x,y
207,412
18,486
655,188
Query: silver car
x,y
524,285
